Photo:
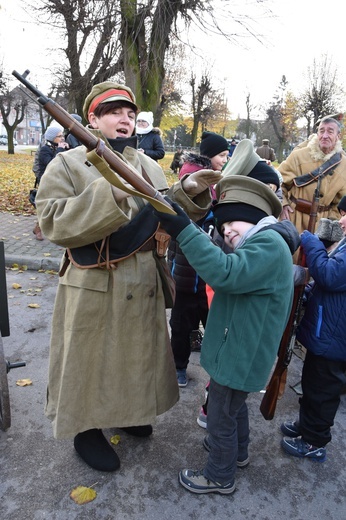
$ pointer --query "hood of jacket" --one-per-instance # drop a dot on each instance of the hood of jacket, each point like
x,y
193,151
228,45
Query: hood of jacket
x,y
198,160
289,233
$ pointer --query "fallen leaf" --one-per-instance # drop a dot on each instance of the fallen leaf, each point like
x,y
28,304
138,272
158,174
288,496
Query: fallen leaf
x,y
16,286
34,305
23,382
82,495
47,254
115,439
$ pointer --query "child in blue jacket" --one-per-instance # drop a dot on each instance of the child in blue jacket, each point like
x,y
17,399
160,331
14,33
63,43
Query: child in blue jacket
x,y
322,332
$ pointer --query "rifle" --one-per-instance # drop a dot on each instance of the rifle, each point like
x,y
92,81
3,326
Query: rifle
x,y
108,163
278,378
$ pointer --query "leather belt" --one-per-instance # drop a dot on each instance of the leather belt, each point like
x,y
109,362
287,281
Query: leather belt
x,y
148,246
304,206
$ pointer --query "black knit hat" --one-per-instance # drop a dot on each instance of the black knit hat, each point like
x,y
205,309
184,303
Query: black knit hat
x,y
212,144
265,173
235,211
342,204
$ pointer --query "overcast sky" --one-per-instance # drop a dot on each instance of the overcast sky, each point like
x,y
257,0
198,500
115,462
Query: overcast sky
x,y
304,30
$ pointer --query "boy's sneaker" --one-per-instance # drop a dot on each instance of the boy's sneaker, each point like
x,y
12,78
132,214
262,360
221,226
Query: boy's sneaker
x,y
202,419
300,448
181,376
241,462
195,481
290,429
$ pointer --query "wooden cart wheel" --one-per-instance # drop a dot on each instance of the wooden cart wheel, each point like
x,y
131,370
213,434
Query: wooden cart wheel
x,y
5,410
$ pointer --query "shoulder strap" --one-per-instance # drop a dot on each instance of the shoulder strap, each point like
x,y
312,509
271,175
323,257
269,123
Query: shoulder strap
x,y
321,171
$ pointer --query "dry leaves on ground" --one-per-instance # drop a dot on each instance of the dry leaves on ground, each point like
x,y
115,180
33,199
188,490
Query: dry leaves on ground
x,y
23,382
16,181
82,495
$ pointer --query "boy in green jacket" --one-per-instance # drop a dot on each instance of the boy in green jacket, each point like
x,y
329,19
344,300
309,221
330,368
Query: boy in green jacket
x,y
253,293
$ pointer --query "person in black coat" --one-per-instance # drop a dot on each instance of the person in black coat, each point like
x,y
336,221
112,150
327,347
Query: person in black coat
x,y
149,138
53,143
191,303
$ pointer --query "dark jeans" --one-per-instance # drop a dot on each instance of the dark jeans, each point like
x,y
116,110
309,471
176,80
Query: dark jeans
x,y
188,311
322,384
228,429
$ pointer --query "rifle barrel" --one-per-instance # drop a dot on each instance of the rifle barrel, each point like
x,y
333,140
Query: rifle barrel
x,y
93,143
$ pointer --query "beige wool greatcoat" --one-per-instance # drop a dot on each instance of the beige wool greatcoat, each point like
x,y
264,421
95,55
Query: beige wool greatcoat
x,y
111,363
333,187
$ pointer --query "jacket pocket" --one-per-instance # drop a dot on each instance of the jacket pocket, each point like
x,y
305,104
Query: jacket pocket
x,y
91,279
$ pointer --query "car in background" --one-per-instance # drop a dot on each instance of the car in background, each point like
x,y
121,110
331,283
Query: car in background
x,y
4,140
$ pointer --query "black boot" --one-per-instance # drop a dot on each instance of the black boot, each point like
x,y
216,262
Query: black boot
x,y
95,450
139,431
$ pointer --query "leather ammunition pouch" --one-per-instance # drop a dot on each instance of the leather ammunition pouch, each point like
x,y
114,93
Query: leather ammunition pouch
x,y
304,206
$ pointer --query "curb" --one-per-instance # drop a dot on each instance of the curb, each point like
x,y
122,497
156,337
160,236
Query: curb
x,y
33,264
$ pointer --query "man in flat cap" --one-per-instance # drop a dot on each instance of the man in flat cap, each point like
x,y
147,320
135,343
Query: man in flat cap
x,y
265,151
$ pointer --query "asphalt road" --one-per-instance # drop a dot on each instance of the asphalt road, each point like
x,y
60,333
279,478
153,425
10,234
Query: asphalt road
x,y
37,473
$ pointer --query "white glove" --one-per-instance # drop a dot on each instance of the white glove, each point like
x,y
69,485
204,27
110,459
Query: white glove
x,y
199,181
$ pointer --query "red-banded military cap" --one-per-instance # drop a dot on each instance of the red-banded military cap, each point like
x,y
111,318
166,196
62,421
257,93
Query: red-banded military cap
x,y
105,93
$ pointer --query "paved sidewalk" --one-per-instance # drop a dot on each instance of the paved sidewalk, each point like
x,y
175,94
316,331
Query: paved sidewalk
x,y
21,246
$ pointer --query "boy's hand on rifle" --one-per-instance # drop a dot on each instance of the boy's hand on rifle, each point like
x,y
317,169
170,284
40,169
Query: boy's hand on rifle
x,y
199,181
306,237
173,224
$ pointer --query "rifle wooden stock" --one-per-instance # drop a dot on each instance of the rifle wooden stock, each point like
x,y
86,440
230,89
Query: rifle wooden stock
x,y
93,143
269,400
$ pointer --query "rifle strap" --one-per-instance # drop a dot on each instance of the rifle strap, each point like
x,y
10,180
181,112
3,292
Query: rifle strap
x,y
95,157
321,171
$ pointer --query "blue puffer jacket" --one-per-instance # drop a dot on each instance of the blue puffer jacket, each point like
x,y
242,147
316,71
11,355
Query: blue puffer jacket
x,y
323,327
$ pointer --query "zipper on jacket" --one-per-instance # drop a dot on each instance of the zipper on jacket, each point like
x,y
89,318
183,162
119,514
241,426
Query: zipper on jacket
x,y
222,344
319,321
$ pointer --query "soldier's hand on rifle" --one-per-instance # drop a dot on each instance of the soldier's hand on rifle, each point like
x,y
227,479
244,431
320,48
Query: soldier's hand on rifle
x,y
173,224
199,181
285,213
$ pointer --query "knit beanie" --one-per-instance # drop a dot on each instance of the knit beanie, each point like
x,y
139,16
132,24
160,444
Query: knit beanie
x,y
146,116
212,144
149,118
105,93
237,211
265,173
342,204
52,132
76,117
